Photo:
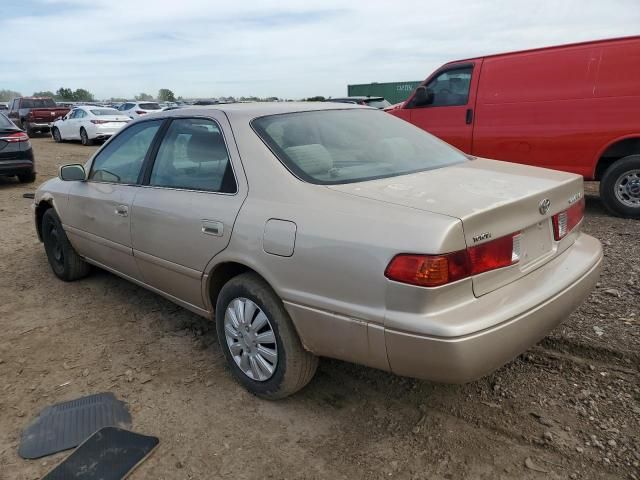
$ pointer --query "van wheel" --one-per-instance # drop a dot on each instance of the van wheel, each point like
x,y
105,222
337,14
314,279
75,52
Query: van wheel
x,y
260,344
620,187
64,261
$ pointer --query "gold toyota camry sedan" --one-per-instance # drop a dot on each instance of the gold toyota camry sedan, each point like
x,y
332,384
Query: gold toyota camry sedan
x,y
307,230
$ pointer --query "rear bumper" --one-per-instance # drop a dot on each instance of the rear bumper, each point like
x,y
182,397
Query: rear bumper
x,y
522,313
39,125
17,166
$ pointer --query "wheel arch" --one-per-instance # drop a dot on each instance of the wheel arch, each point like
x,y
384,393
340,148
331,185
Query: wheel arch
x,y
45,204
615,150
223,271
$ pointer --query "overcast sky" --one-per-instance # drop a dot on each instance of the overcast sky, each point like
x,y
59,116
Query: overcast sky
x,y
285,48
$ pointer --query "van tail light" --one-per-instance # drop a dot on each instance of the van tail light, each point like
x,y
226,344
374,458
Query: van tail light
x,y
16,137
140,112
565,222
437,270
98,122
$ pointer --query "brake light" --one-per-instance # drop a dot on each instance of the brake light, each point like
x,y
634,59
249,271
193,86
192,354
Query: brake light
x,y
140,112
565,222
437,270
16,137
98,122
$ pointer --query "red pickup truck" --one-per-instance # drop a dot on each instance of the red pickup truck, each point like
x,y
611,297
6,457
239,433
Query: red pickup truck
x,y
35,113
573,107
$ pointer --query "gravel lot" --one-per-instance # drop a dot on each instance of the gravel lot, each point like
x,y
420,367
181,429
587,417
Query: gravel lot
x,y
568,408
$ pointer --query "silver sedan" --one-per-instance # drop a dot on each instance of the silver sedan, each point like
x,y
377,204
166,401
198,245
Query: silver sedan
x,y
307,230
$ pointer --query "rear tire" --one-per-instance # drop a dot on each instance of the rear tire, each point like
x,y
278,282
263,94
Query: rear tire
x,y
27,177
55,133
84,138
620,187
65,262
26,127
293,366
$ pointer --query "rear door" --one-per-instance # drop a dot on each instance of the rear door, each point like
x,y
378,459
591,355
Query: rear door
x,y
99,209
449,115
184,213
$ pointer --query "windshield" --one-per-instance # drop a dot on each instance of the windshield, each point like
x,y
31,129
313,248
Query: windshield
x,y
343,146
104,111
38,103
150,106
5,122
377,103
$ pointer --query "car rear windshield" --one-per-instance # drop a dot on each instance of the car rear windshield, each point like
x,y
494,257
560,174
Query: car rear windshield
x,y
150,106
38,103
105,111
5,122
377,103
330,147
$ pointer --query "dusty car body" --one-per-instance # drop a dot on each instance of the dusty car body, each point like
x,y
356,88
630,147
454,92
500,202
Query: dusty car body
x,y
420,261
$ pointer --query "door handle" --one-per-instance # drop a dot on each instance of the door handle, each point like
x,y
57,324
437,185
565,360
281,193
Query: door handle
x,y
212,227
122,210
469,118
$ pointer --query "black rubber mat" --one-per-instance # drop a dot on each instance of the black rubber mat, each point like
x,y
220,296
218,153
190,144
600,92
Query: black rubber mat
x,y
109,454
66,425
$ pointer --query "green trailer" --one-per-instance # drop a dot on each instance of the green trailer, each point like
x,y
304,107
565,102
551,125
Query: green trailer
x,y
395,92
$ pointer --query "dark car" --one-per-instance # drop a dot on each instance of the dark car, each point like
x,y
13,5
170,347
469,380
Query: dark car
x,y
16,154
375,102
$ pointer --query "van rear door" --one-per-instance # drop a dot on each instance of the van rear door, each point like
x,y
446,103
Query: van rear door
x,y
449,114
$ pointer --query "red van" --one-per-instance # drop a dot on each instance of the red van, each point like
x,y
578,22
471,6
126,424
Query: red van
x,y
573,107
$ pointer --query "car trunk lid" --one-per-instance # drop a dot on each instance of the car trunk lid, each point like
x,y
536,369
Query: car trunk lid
x,y
492,199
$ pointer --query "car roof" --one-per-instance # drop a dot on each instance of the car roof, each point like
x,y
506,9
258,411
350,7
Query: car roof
x,y
257,109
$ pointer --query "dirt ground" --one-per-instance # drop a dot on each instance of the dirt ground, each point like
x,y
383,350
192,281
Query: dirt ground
x,y
568,408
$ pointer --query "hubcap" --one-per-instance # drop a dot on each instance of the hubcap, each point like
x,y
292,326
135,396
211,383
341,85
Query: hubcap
x,y
250,339
56,247
627,188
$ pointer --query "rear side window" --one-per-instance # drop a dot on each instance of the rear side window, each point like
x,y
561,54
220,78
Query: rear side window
x,y
193,156
120,161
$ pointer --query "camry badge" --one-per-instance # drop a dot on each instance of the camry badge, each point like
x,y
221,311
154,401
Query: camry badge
x,y
544,206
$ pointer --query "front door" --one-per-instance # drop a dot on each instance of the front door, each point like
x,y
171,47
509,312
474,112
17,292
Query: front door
x,y
448,113
100,208
184,213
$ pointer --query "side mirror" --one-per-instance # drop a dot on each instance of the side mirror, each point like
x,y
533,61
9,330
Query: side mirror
x,y
424,96
72,173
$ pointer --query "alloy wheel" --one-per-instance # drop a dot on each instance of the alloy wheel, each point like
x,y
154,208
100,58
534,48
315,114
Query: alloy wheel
x,y
251,339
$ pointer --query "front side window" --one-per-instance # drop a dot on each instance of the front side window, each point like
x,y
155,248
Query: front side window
x,y
344,146
120,161
450,88
193,156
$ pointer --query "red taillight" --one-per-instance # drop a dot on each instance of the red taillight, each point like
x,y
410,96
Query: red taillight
x,y
436,270
565,222
16,137
140,112
98,122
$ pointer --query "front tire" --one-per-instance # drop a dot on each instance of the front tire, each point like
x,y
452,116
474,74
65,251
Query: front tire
x,y
259,341
84,138
55,133
65,262
620,187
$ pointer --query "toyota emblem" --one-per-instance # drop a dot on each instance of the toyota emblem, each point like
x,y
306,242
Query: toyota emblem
x,y
544,206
